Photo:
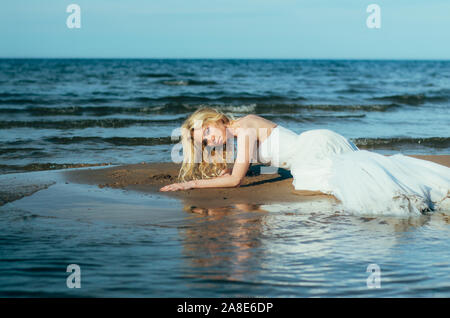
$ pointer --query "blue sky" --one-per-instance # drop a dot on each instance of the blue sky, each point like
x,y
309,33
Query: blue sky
x,y
410,29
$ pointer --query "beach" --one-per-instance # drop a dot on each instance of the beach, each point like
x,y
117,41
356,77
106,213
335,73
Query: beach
x,y
255,189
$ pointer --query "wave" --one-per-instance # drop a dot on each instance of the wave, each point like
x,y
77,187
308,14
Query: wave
x,y
263,108
87,110
188,82
42,100
86,123
220,96
47,166
9,95
204,97
374,143
312,118
23,101
160,75
15,150
377,143
413,99
124,122
154,75
364,143
171,108
116,141
351,91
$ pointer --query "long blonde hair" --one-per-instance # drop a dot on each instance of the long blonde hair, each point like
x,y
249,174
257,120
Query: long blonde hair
x,y
192,169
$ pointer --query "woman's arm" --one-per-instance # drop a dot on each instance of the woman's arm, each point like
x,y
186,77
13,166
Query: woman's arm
x,y
235,179
225,181
246,147
191,184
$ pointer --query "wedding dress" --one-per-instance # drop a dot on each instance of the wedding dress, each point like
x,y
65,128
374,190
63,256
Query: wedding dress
x,y
365,182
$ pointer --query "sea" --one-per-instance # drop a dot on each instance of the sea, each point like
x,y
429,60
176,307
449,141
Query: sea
x,y
60,113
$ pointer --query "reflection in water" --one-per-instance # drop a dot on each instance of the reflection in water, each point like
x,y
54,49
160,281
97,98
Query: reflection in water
x,y
295,245
226,210
225,241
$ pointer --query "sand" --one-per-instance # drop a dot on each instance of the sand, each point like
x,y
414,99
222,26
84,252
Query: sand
x,y
255,189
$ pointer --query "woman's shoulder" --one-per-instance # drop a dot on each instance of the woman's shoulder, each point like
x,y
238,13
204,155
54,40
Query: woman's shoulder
x,y
243,119
252,121
257,124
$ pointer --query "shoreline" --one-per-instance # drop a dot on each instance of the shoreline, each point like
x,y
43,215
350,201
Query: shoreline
x,y
256,188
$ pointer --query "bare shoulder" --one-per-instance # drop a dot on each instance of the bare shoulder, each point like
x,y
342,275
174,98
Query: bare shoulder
x,y
263,127
255,121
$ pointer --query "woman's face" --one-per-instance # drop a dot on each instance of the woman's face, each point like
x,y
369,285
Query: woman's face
x,y
215,134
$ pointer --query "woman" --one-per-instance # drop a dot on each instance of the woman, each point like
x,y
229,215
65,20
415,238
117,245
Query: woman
x,y
319,160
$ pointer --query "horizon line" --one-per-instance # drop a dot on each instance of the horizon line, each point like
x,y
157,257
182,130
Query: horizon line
x,y
226,58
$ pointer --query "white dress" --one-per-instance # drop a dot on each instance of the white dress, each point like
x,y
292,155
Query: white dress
x,y
365,182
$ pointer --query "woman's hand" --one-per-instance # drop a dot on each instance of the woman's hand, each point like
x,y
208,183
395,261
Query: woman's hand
x,y
178,186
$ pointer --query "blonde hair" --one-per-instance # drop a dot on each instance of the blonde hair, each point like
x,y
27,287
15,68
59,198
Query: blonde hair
x,y
190,168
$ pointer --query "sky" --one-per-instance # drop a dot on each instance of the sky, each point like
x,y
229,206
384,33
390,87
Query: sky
x,y
313,29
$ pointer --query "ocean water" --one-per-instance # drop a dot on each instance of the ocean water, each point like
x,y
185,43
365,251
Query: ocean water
x,y
130,244
61,113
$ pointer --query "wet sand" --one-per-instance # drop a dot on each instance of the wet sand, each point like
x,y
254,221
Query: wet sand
x,y
256,188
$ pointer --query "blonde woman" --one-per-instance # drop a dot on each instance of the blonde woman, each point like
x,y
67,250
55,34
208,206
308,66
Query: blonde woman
x,y
319,160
